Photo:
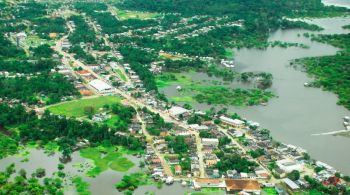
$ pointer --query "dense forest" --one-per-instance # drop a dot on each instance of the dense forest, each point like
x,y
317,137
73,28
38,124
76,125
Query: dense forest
x,y
66,132
46,88
332,72
262,15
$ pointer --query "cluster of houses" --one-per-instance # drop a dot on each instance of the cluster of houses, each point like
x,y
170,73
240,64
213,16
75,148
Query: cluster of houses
x,y
232,186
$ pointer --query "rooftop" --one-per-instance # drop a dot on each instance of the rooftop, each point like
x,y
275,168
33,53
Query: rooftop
x,y
242,184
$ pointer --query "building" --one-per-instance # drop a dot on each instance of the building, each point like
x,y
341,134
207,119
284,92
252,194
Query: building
x,y
178,170
208,183
198,127
288,166
291,185
210,142
101,86
20,37
246,185
66,44
232,122
177,111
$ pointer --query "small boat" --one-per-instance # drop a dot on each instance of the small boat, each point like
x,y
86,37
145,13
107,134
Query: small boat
x,y
169,180
184,183
346,118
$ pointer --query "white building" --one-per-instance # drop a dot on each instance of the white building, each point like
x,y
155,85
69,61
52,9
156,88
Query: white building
x,y
20,37
290,184
232,122
212,142
198,127
101,86
289,165
176,111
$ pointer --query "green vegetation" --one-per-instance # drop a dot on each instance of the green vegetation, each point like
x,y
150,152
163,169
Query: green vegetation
x,y
234,162
51,147
125,15
23,184
104,158
133,181
270,191
75,108
332,72
236,97
346,26
178,144
81,186
213,94
121,75
8,146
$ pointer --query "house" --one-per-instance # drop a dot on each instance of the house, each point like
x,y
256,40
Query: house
x,y
208,183
178,170
210,142
210,162
84,73
66,44
332,181
246,185
20,37
197,127
232,122
101,86
231,173
177,111
291,185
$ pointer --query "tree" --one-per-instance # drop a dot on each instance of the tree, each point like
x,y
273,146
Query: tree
x,y
187,106
23,173
40,172
224,141
89,110
217,121
60,166
294,175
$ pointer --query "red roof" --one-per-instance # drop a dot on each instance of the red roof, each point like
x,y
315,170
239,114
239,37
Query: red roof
x,y
178,168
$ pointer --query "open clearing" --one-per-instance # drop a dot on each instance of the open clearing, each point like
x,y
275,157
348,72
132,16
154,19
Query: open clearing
x,y
75,108
124,15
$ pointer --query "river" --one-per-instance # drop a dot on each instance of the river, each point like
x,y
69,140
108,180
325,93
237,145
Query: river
x,y
298,111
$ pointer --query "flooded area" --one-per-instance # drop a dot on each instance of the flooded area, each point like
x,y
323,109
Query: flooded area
x,y
298,111
292,117
38,159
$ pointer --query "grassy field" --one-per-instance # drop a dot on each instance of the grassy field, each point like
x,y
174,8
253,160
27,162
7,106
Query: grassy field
x,y
105,158
35,41
121,75
75,108
124,15
269,191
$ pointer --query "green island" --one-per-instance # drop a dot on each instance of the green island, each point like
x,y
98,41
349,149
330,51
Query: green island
x,y
331,72
133,181
81,186
211,94
105,158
